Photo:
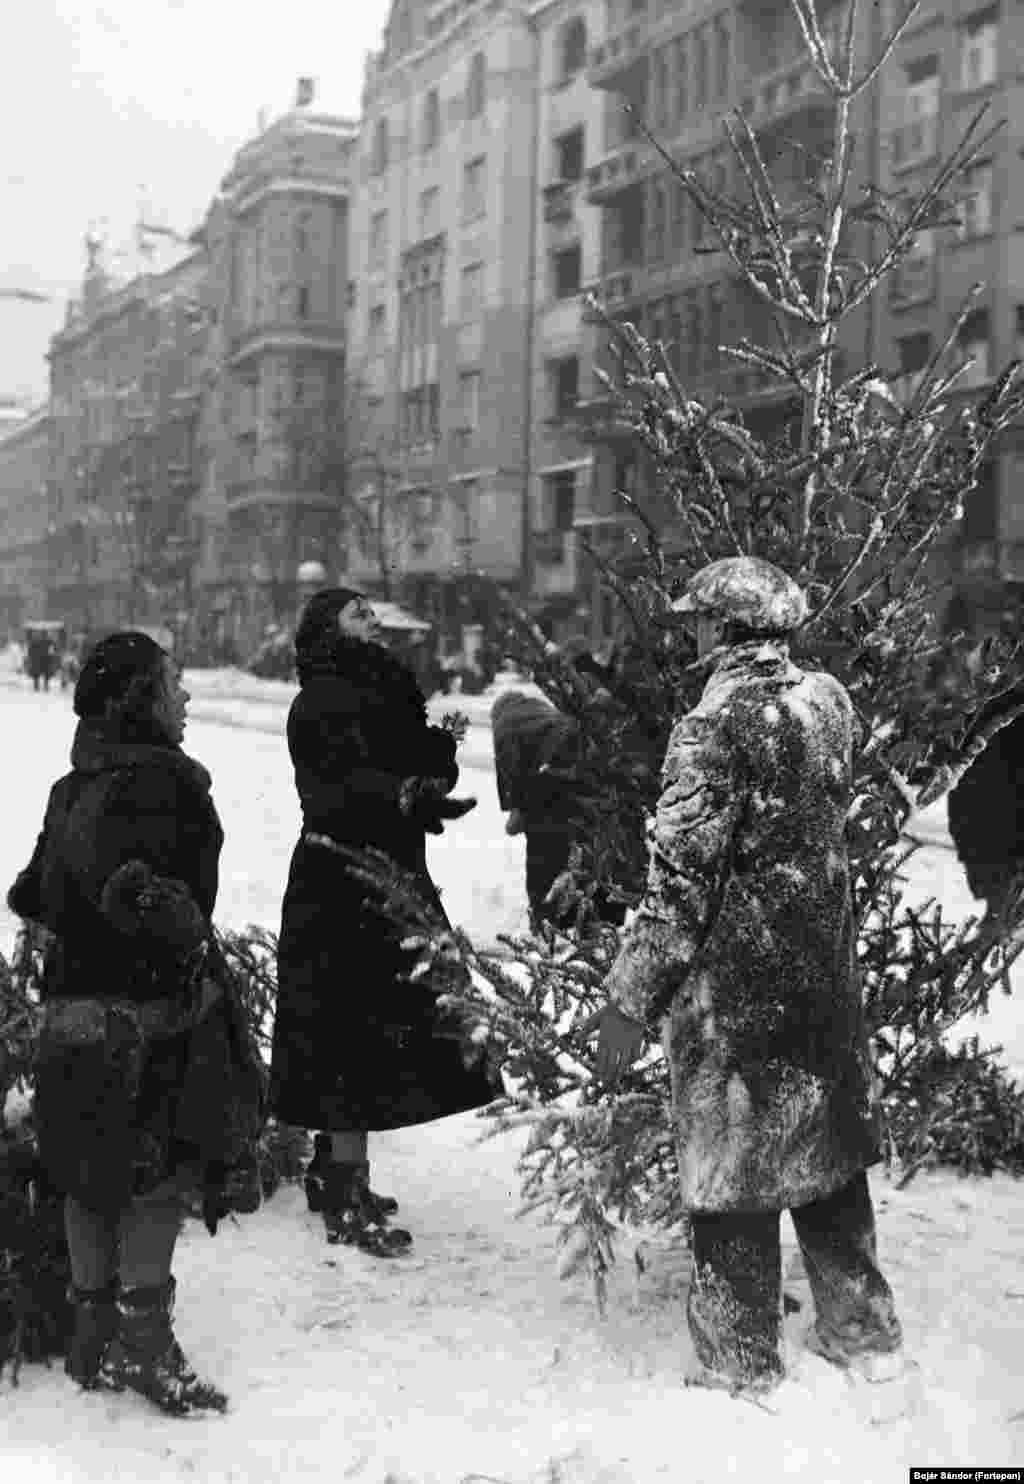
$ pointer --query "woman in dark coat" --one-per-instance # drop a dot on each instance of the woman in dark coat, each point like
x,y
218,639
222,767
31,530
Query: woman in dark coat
x,y
356,1045
145,1082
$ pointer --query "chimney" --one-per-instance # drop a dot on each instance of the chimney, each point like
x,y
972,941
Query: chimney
x,y
304,92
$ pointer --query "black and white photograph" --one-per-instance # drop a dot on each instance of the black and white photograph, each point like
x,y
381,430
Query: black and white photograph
x,y
511,688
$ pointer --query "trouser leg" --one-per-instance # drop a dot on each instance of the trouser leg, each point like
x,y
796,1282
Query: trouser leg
x,y
149,1233
853,1303
733,1306
92,1245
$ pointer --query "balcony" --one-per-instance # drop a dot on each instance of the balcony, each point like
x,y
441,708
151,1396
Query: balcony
x,y
621,59
628,166
290,334
613,291
789,89
559,201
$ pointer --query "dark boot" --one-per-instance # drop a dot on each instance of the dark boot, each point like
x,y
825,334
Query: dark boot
x,y
316,1174
144,1356
95,1326
352,1215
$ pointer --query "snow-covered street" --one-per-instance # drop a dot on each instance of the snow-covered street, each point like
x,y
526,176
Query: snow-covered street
x,y
471,1362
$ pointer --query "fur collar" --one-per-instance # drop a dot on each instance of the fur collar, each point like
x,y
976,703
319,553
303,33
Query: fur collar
x,y
366,666
95,751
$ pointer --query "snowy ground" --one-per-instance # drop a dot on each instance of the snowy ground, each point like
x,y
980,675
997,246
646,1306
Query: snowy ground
x,y
471,1362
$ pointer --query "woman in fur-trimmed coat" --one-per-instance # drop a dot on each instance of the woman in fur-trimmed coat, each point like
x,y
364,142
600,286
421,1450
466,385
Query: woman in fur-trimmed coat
x,y
356,1046
145,1083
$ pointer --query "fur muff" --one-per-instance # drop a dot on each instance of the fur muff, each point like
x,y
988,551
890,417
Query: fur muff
x,y
142,904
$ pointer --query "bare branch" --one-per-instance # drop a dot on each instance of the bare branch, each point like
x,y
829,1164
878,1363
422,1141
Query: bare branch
x,y
887,48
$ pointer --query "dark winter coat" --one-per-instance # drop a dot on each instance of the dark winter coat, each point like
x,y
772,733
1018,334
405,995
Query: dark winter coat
x,y
534,745
356,1047
131,1083
744,946
986,809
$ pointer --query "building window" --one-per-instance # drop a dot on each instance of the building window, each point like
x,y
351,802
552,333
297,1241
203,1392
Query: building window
x,y
681,101
431,136
567,271
1019,327
569,155
716,323
564,383
700,71
476,86
975,209
915,351
378,241
979,50
302,301
430,211
377,329
680,216
474,192
694,332
723,59
573,47
559,500
917,138
471,291
914,280
660,100
379,155
469,399
656,244
976,344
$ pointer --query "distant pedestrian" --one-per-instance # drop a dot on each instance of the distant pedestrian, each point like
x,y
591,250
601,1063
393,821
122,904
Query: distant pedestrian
x,y
534,743
986,809
743,956
357,1047
147,1086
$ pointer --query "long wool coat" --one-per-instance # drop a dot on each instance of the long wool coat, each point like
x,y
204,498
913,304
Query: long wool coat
x,y
355,1046
124,875
744,947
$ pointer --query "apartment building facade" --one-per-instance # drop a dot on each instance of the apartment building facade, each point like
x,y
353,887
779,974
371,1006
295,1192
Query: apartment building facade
x,y
123,466
274,417
469,253
953,60
25,549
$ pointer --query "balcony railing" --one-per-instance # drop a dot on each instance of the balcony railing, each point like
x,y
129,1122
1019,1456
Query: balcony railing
x,y
301,331
785,90
618,54
617,172
559,201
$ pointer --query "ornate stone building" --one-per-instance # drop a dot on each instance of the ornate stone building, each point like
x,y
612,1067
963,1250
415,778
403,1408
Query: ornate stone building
x,y
24,550
125,392
469,254
276,299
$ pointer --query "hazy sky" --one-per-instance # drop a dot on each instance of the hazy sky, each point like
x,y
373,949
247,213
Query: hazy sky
x,y
104,105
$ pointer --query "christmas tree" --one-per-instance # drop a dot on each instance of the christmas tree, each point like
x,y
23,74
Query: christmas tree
x,y
855,490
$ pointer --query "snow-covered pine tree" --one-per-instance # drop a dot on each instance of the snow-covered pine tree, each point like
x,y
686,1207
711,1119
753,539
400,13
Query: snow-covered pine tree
x,y
854,492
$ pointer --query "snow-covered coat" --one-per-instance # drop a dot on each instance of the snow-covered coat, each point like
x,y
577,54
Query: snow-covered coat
x,y
355,1045
744,947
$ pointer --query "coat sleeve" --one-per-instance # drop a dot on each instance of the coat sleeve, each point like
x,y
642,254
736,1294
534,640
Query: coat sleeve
x,y
690,843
